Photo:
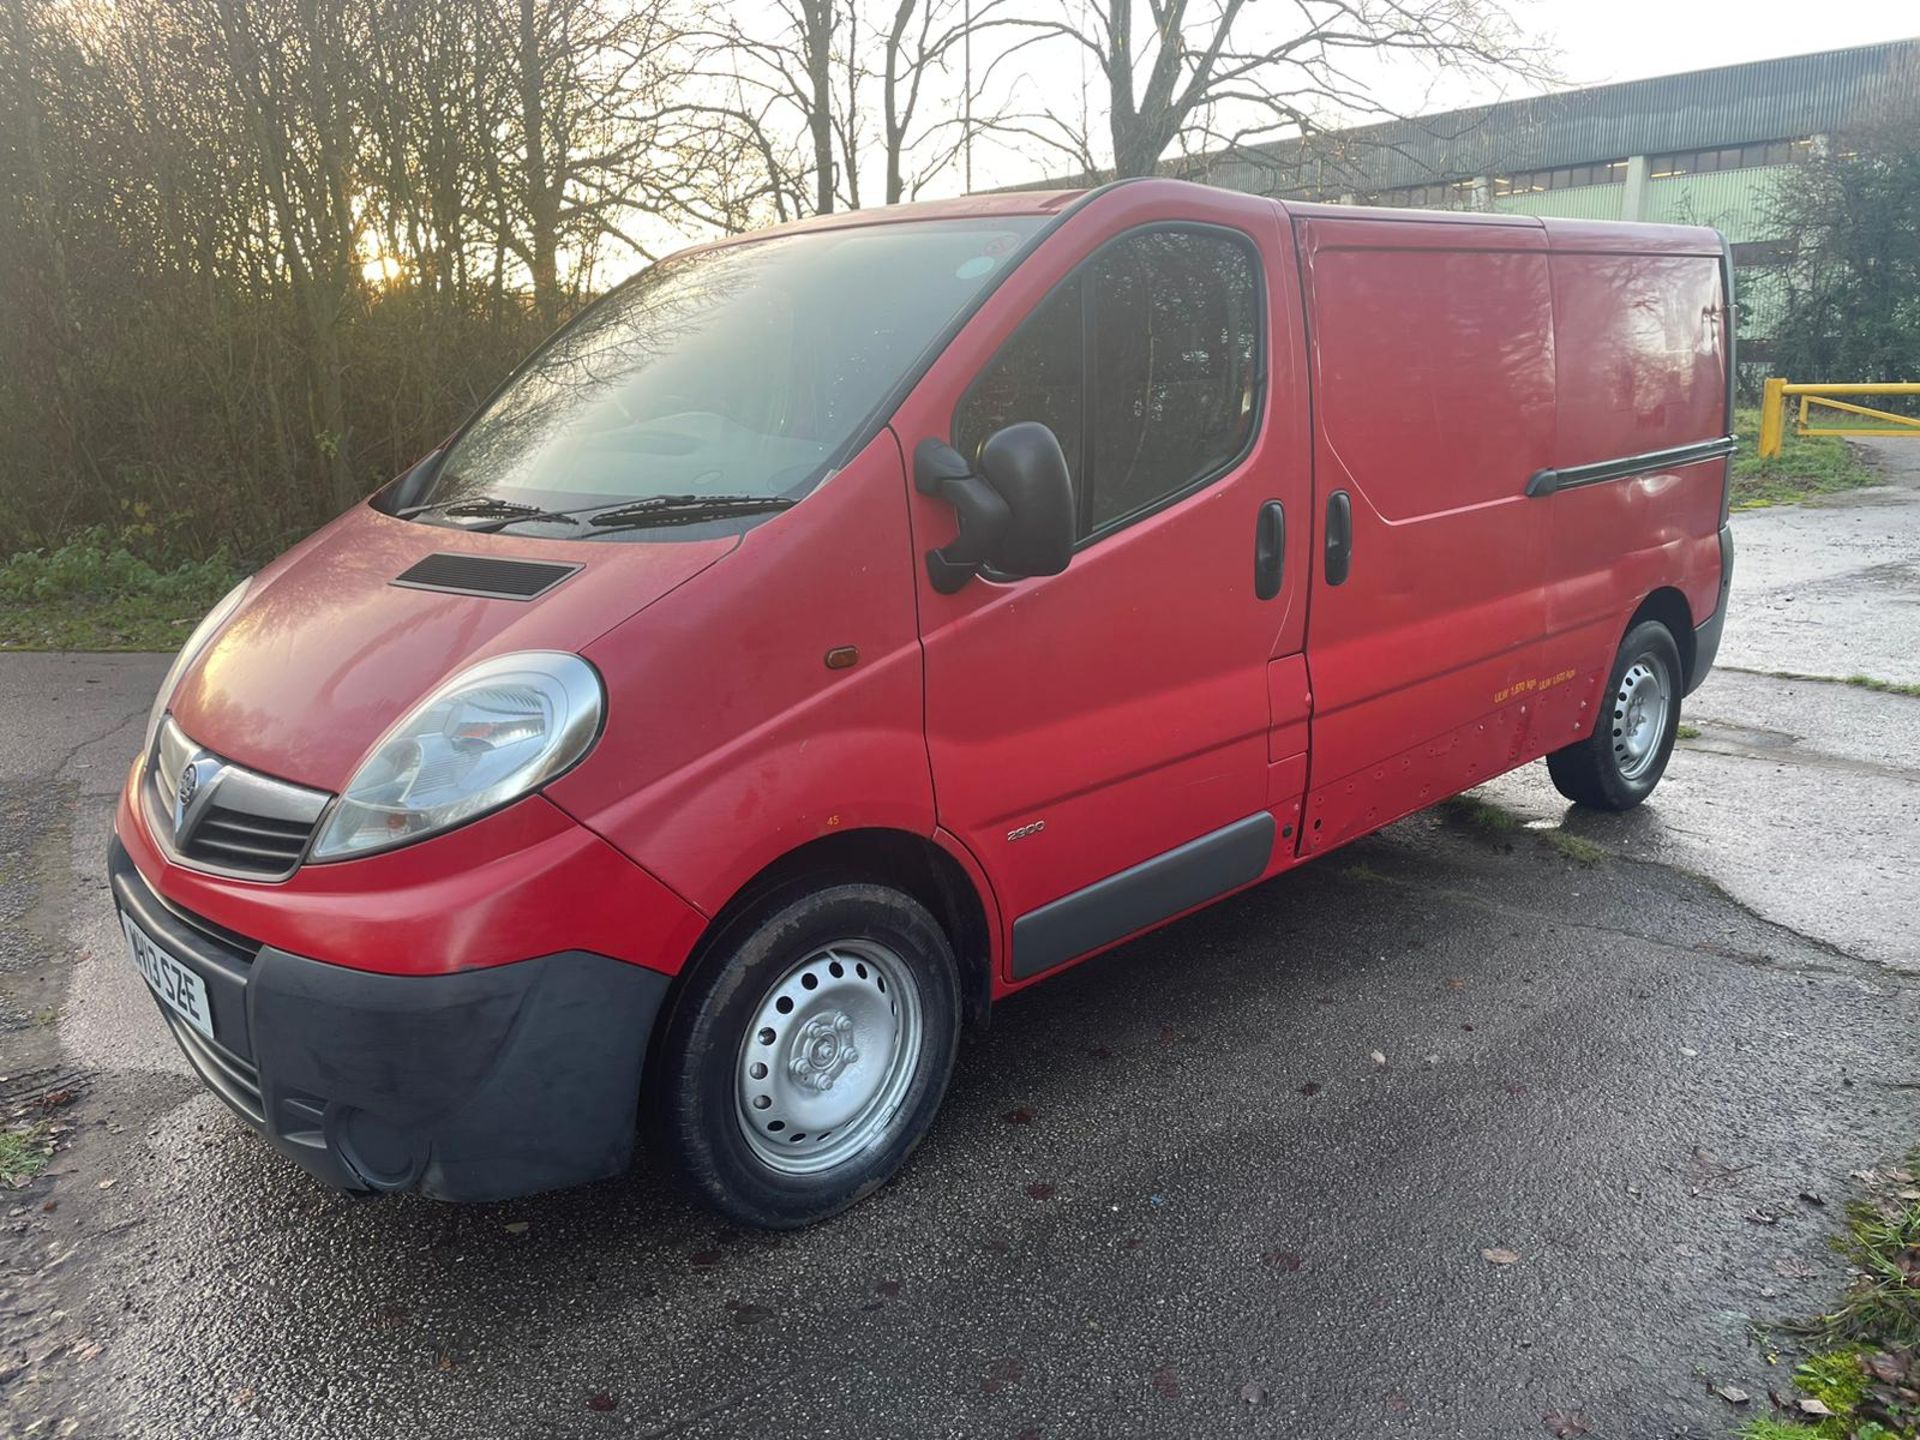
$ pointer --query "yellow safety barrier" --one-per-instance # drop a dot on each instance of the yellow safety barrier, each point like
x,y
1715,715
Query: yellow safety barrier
x,y
1773,411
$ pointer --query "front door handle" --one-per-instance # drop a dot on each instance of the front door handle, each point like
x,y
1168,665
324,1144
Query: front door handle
x,y
1269,550
1339,555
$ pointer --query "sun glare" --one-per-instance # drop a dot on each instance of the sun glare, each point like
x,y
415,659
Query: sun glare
x,y
382,269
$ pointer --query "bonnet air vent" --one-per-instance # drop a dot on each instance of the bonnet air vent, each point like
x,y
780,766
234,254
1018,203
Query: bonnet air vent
x,y
484,575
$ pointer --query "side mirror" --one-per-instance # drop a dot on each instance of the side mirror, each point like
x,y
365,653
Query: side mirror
x,y
1016,516
1025,464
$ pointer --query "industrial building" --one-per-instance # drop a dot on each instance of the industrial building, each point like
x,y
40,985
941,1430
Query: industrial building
x,y
1708,147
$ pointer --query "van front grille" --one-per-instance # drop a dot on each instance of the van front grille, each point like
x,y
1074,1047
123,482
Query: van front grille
x,y
241,841
234,821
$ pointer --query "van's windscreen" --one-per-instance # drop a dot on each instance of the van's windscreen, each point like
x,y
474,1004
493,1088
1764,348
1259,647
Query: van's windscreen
x,y
736,373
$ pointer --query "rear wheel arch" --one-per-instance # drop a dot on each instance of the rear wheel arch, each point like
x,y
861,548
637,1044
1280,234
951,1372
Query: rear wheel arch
x,y
1668,606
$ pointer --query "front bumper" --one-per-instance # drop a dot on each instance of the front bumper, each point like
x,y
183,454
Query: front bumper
x,y
474,1085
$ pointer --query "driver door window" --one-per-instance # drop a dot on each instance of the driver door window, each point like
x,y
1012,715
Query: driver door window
x,y
1144,363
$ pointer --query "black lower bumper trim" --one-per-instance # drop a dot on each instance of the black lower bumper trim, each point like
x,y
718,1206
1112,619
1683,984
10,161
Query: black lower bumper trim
x,y
477,1085
1706,635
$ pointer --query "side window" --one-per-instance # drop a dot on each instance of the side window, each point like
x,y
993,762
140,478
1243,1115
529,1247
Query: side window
x,y
1175,344
1145,362
1038,375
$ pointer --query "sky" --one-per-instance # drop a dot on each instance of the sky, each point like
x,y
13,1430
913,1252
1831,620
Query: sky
x,y
1604,40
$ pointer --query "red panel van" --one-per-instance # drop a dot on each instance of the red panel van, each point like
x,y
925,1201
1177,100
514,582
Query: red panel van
x,y
836,629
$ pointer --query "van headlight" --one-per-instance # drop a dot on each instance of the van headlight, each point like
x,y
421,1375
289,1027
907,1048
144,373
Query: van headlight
x,y
196,642
489,735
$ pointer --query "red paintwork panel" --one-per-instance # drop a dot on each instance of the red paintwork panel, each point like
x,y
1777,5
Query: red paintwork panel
x,y
728,741
326,653
525,881
1443,609
1641,357
1642,366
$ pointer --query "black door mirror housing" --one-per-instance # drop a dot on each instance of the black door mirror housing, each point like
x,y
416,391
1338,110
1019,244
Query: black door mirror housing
x,y
1016,515
1025,463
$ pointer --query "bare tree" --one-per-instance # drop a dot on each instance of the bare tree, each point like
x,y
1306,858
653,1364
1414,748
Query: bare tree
x,y
918,51
1227,73
781,82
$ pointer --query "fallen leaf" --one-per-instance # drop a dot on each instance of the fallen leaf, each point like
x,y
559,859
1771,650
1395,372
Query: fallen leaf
x,y
1004,1373
1166,1383
1566,1423
1310,1089
1041,1190
1253,1393
1813,1197
107,1184
445,1362
1378,1058
1732,1394
1887,1369
1396,1402
706,1259
1814,1407
1020,1115
515,1227
747,1314
600,1400
1499,1257
1690,1054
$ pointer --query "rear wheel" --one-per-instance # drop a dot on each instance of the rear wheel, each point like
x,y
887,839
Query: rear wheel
x,y
1617,766
808,1053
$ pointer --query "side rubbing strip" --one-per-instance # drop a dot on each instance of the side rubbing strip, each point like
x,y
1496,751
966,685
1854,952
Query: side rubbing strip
x,y
1183,877
1551,482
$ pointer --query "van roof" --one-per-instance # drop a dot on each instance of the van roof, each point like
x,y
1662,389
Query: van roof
x,y
1635,237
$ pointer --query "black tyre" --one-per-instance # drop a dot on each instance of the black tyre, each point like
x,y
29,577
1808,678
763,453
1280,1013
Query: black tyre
x,y
1617,766
807,1053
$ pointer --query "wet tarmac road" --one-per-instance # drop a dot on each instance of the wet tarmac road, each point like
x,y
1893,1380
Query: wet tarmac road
x,y
1171,1194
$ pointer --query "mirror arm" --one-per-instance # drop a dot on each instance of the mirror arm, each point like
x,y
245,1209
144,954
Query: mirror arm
x,y
940,470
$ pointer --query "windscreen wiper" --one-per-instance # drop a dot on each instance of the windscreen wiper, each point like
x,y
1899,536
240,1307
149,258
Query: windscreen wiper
x,y
493,509
685,510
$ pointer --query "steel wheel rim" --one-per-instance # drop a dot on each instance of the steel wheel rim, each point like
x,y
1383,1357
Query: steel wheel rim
x,y
1640,707
828,1057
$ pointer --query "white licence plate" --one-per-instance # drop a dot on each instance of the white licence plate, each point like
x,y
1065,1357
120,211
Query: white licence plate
x,y
179,989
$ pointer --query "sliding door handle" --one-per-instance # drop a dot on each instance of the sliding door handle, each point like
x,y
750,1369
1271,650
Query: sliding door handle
x,y
1339,551
1269,550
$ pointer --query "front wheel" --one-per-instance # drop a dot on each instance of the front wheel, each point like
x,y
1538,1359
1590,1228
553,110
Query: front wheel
x,y
1617,766
807,1054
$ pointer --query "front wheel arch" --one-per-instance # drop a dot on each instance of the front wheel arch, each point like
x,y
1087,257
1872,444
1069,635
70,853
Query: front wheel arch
x,y
899,859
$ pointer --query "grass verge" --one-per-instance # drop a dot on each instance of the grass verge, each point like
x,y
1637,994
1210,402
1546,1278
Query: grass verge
x,y
24,1153
1479,815
94,594
1864,1373
1885,687
1806,466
